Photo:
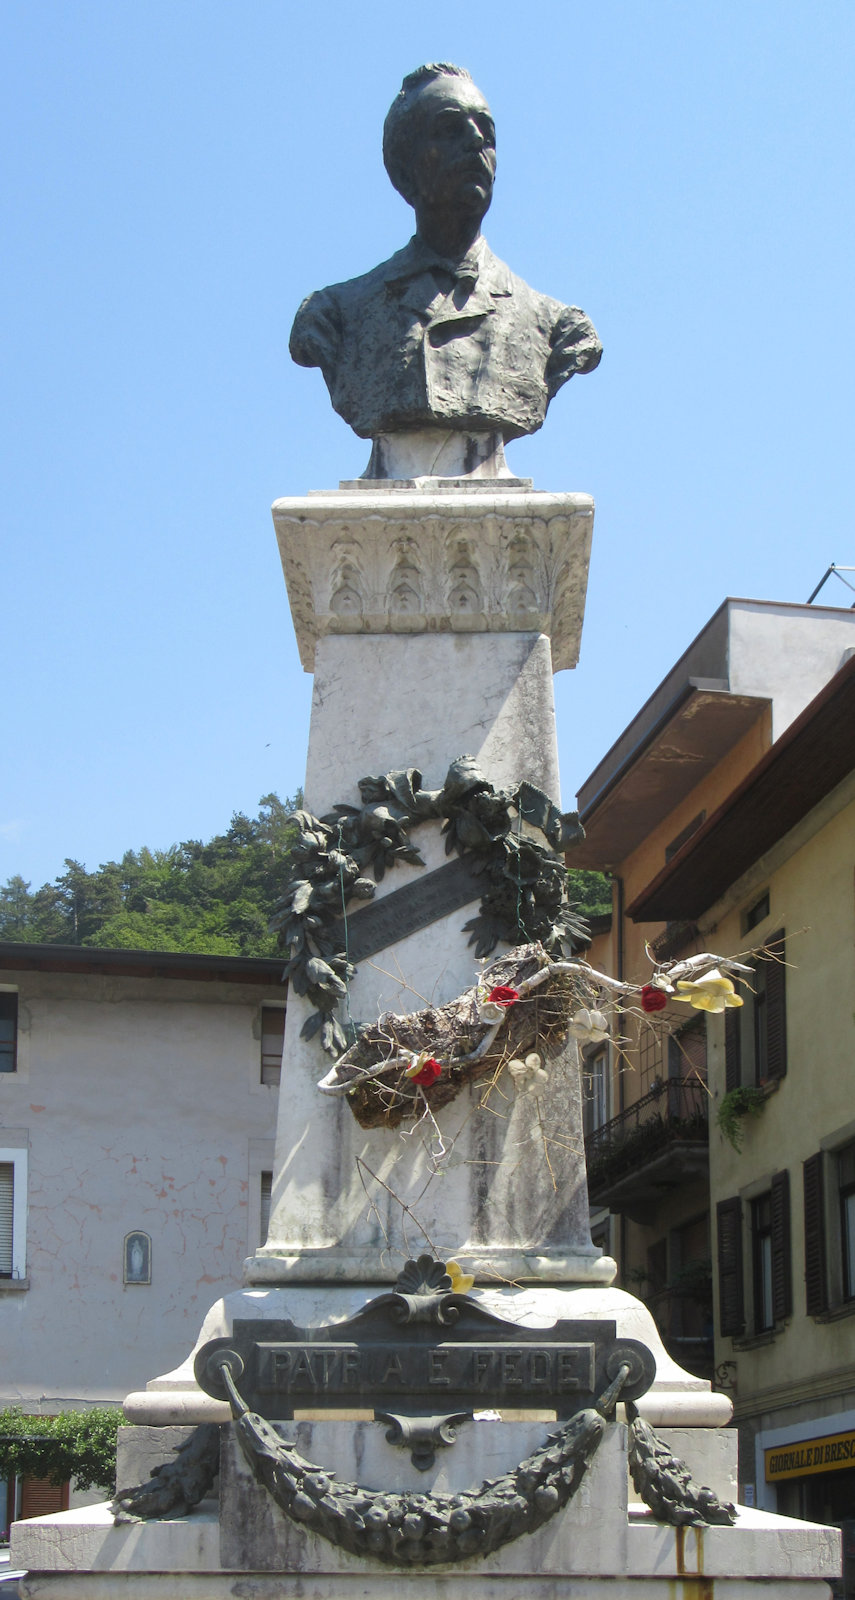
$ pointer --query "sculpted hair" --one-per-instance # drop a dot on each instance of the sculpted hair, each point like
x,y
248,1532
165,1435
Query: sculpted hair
x,y
396,135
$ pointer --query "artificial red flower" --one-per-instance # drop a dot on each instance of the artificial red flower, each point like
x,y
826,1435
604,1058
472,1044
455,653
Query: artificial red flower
x,y
503,995
428,1073
653,999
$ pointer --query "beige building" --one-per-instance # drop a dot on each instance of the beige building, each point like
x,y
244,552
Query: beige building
x,y
138,1097
726,813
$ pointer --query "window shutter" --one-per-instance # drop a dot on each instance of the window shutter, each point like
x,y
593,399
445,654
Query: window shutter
x,y
776,1010
730,1289
41,1498
8,1031
732,1050
272,1037
782,1276
7,1193
816,1276
266,1195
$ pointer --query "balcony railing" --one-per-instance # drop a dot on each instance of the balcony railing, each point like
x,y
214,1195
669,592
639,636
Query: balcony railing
x,y
633,1157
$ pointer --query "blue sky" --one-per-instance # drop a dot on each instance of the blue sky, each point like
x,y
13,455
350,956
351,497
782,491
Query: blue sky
x,y
179,175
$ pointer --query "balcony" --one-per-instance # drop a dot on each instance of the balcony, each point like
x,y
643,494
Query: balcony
x,y
657,1144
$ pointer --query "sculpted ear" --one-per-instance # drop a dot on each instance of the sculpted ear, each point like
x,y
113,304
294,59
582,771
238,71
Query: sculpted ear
x,y
400,171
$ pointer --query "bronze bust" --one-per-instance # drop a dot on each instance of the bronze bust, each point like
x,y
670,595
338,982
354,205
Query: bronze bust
x,y
442,338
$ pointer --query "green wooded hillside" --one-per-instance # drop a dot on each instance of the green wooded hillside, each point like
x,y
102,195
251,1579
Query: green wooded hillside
x,y
211,899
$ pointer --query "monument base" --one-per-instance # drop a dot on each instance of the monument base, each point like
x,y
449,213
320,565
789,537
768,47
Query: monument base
x,y
248,1547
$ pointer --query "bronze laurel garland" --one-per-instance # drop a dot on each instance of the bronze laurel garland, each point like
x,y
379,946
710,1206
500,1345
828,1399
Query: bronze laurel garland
x,y
525,882
410,1529
665,1484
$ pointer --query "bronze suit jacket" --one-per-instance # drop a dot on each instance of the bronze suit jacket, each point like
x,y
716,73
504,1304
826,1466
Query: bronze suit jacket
x,y
421,341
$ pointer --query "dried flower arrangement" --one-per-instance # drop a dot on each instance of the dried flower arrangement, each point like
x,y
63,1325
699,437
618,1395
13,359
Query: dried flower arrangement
x,y
518,1016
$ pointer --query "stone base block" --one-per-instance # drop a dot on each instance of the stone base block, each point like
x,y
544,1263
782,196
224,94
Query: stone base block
x,y
140,1450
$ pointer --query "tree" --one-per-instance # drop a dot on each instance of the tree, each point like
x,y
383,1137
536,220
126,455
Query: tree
x,y
212,898
16,910
589,892
78,1445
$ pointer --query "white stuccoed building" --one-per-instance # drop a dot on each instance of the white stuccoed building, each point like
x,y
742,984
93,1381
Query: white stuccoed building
x,y
138,1096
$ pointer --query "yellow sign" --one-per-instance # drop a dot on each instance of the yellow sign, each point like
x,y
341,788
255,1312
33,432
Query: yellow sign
x,y
829,1454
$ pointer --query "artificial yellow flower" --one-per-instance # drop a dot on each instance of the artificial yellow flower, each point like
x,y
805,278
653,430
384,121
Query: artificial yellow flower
x,y
460,1280
712,992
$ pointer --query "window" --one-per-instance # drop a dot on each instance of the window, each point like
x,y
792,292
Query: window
x,y
756,913
272,1039
684,835
829,1223
8,1032
761,1252
687,1051
755,1034
265,1185
651,1067
766,1299
846,1192
13,1214
594,1091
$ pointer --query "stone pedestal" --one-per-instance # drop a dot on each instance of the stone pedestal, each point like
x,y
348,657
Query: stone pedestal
x,y
433,622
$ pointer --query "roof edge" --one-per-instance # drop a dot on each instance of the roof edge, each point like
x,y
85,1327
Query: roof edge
x,y
84,959
777,755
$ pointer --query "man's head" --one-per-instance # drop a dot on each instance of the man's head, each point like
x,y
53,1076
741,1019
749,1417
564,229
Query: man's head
x,y
439,142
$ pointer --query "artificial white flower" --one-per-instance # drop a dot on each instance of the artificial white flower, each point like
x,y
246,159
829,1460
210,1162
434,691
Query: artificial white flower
x,y
530,1076
589,1026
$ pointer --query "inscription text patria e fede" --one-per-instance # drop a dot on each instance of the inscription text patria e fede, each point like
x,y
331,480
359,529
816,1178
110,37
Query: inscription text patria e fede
x,y
334,1371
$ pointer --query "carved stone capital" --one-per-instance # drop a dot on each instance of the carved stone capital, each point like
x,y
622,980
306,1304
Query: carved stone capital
x,y
425,561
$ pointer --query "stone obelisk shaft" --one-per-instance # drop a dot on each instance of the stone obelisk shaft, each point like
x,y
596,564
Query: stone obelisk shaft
x,y
430,621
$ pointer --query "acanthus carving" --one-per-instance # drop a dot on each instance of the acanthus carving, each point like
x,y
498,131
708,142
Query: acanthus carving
x,y
387,568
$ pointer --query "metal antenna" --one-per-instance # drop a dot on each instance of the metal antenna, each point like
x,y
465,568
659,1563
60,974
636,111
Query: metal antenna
x,y
838,573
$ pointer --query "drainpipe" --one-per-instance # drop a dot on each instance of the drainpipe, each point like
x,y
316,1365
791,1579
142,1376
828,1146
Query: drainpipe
x,y
619,903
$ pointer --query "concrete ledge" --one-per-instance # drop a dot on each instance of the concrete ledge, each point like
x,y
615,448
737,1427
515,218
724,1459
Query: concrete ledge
x,y
760,1545
87,1541
419,1586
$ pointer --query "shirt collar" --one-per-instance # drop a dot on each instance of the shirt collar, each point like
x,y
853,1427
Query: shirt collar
x,y
418,257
